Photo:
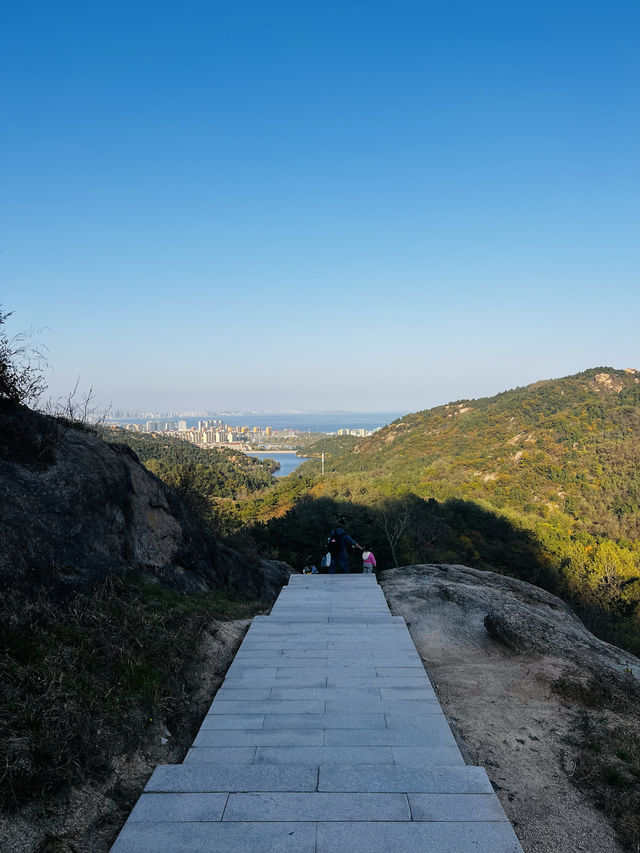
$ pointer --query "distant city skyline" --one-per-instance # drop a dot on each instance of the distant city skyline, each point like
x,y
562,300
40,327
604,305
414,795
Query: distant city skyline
x,y
211,413
215,433
323,205
321,422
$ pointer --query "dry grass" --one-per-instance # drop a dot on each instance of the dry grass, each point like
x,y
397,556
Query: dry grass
x,y
81,683
607,743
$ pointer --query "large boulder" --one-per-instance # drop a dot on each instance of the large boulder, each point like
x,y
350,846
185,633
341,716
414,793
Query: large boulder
x,y
74,508
518,616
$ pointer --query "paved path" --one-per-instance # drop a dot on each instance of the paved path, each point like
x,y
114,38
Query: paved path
x,y
325,737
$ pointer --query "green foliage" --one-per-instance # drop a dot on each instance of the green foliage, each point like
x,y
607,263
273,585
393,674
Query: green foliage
x,y
566,446
542,483
452,531
333,447
198,474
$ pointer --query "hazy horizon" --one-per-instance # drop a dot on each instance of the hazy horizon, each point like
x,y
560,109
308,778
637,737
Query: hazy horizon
x,y
396,412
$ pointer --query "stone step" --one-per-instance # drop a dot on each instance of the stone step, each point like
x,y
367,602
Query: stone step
x,y
204,778
407,688
320,706
316,806
325,737
339,778
436,755
438,733
419,718
318,837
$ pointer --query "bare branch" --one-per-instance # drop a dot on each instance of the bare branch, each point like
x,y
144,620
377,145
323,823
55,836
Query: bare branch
x,y
21,366
394,526
79,409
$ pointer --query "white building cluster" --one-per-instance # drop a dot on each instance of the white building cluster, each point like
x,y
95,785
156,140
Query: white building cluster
x,y
208,433
215,433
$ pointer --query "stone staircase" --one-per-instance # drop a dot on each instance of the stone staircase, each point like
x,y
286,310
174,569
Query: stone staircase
x,y
325,737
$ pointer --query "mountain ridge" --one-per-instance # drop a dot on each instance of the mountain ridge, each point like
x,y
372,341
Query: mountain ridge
x,y
559,434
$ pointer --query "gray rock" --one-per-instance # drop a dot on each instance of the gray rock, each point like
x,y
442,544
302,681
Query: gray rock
x,y
76,508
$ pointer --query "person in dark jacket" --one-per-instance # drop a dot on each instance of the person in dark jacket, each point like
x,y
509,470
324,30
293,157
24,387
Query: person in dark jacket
x,y
338,541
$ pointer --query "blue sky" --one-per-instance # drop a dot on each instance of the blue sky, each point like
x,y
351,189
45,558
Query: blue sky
x,y
322,205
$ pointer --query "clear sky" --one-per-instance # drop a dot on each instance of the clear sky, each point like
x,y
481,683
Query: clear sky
x,y
327,204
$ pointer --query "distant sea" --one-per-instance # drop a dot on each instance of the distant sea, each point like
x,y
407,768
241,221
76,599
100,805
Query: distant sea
x,y
298,421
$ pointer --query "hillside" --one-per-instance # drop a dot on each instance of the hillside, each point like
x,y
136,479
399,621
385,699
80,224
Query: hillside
x,y
218,472
542,483
567,445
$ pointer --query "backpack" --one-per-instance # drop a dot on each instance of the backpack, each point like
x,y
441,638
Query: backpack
x,y
335,543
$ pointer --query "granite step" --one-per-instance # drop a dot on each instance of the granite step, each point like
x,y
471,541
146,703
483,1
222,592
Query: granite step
x,y
325,737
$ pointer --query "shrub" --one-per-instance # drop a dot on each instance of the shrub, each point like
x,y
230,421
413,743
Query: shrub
x,y
81,683
21,364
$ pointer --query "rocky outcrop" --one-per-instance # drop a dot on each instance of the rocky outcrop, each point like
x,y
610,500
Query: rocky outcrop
x,y
74,508
547,708
521,617
524,618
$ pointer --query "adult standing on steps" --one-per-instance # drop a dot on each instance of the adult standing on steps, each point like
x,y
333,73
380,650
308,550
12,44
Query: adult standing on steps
x,y
338,541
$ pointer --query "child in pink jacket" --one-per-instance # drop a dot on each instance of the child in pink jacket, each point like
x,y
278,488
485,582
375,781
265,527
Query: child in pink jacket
x,y
368,561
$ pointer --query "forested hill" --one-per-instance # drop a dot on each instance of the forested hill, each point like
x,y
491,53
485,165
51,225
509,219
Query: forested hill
x,y
219,472
566,446
541,482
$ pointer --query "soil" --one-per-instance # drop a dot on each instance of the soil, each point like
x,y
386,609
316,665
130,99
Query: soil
x,y
503,705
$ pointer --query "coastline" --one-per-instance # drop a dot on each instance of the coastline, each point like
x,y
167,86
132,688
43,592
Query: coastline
x,y
254,452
